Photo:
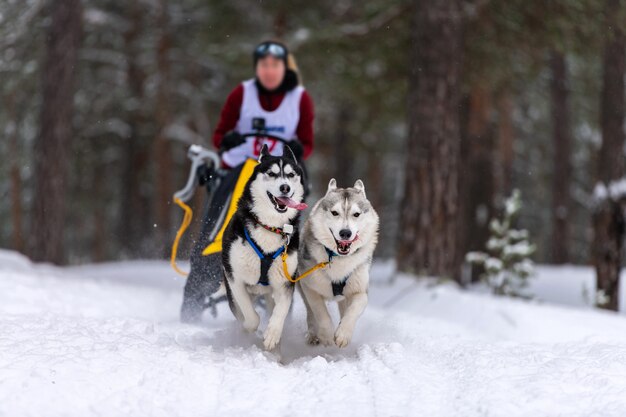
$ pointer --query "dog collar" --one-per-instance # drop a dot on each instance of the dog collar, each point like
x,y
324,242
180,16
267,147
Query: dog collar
x,y
336,286
278,230
331,254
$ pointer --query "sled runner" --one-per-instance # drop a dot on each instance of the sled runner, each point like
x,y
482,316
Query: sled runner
x,y
224,188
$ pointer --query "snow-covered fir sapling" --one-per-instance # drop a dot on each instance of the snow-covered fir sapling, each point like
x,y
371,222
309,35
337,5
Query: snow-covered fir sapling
x,y
506,263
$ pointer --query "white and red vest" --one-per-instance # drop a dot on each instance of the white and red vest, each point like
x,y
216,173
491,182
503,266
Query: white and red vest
x,y
281,122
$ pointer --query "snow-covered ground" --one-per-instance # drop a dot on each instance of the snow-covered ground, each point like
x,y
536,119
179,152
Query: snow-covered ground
x,y
105,340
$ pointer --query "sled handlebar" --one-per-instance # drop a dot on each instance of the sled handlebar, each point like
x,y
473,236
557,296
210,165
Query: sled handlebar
x,y
263,134
199,156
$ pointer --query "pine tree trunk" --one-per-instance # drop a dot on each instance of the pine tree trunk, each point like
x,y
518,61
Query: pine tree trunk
x,y
343,166
163,154
506,136
562,166
99,219
476,182
428,232
280,23
608,219
14,175
135,224
52,146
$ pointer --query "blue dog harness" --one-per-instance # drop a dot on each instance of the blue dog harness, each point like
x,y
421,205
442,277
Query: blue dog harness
x,y
266,259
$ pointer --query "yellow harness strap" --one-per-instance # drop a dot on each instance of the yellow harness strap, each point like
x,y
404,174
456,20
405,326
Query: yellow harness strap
x,y
179,234
283,256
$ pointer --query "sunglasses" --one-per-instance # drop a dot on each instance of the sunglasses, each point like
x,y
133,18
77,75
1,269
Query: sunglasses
x,y
269,48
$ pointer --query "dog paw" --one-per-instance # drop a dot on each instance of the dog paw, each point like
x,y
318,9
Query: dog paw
x,y
342,337
324,338
251,325
271,338
311,339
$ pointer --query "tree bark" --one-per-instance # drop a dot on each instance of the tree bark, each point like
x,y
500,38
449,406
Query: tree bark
x,y
343,166
163,154
14,174
562,153
506,138
280,23
608,218
99,238
135,224
53,142
428,233
476,182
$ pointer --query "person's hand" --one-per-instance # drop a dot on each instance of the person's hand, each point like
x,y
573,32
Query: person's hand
x,y
231,140
296,148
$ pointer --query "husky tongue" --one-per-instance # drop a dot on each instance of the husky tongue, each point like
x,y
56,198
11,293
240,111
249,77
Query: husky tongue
x,y
291,203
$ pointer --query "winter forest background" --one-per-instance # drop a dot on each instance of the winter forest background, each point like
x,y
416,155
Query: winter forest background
x,y
442,107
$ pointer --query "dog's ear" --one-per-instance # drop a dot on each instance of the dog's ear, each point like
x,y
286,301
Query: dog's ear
x,y
332,185
360,186
288,153
264,152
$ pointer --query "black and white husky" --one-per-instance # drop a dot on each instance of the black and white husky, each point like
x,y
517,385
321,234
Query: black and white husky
x,y
264,225
342,229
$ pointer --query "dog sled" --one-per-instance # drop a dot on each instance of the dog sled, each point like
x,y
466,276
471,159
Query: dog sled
x,y
224,187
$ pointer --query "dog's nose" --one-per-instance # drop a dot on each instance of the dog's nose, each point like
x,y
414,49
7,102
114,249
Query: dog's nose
x,y
284,188
345,234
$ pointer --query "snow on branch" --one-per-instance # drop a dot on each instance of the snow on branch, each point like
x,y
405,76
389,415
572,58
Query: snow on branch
x,y
614,190
20,25
382,19
506,262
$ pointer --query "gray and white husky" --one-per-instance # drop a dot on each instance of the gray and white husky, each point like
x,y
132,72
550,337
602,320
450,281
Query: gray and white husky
x,y
342,229
266,220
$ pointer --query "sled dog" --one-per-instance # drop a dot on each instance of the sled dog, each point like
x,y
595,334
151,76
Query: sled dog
x,y
342,230
263,227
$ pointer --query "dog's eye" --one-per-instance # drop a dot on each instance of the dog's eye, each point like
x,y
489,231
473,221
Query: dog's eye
x,y
291,175
334,213
356,214
272,174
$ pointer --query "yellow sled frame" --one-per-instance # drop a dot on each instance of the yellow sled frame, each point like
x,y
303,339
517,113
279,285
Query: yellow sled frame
x,y
244,176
